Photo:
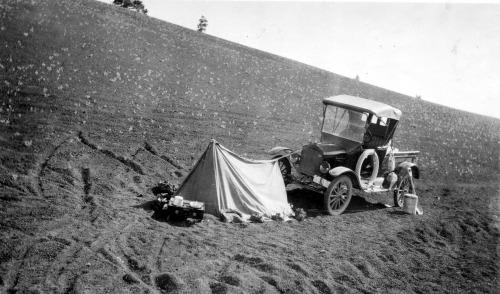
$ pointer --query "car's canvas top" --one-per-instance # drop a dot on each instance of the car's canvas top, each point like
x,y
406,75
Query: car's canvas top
x,y
364,105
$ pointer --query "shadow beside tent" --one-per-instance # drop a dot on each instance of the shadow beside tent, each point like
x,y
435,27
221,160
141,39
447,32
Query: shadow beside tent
x,y
148,205
312,202
159,216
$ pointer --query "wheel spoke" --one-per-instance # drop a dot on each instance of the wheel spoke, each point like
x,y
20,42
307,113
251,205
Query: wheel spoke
x,y
333,200
341,189
335,204
285,170
406,185
332,204
282,167
401,196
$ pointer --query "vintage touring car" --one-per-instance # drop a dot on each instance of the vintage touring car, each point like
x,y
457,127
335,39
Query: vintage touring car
x,y
355,152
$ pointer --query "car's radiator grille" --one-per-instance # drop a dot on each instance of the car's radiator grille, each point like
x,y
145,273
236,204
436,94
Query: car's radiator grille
x,y
310,160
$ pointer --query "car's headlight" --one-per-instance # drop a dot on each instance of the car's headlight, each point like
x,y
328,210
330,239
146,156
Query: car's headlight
x,y
324,167
295,158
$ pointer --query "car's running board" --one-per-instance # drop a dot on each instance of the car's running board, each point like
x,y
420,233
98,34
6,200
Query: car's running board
x,y
376,187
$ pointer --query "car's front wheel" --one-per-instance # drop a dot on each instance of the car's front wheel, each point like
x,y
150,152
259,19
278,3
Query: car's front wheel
x,y
285,169
338,195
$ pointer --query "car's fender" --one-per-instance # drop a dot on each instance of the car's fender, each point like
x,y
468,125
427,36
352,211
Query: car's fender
x,y
342,170
403,167
280,151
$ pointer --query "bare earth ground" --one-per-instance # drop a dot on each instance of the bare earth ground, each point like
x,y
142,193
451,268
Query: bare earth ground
x,y
83,143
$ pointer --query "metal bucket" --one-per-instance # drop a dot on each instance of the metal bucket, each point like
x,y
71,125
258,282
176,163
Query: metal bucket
x,y
410,203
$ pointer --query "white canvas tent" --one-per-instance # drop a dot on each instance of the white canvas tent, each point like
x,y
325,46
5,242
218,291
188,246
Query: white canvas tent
x,y
224,180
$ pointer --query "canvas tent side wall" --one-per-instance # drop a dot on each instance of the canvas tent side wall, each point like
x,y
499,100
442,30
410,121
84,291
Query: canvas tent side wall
x,y
224,180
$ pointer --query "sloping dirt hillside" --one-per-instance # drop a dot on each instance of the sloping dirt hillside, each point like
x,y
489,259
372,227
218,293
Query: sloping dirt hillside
x,y
98,104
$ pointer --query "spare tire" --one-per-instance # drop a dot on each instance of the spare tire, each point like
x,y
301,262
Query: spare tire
x,y
375,165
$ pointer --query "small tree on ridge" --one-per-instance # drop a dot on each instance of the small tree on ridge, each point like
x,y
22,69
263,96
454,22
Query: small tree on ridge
x,y
202,26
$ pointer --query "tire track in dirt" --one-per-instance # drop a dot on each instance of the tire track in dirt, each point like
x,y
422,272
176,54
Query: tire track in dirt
x,y
44,165
133,267
176,171
129,275
65,279
144,271
11,186
158,256
57,272
87,185
16,272
71,287
171,161
102,248
151,149
135,272
125,161
88,199
256,262
148,147
322,287
45,255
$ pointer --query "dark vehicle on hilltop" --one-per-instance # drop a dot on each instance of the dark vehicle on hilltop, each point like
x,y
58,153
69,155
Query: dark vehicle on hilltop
x,y
355,152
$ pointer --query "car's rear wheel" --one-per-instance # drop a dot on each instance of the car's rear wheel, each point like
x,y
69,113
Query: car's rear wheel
x,y
405,186
338,195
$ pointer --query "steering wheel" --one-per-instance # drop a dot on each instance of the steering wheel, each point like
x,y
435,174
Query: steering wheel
x,y
367,138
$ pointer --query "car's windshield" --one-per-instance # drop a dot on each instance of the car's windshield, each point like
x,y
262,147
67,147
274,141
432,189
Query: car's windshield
x,y
344,123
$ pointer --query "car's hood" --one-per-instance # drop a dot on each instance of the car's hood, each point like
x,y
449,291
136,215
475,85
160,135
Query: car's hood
x,y
331,149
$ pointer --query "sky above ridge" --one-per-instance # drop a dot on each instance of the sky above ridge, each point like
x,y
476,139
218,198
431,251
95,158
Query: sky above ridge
x,y
448,53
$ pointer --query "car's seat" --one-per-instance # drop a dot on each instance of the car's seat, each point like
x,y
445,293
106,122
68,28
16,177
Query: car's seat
x,y
376,141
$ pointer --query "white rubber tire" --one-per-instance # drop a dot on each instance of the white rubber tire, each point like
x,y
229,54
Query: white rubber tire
x,y
375,164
